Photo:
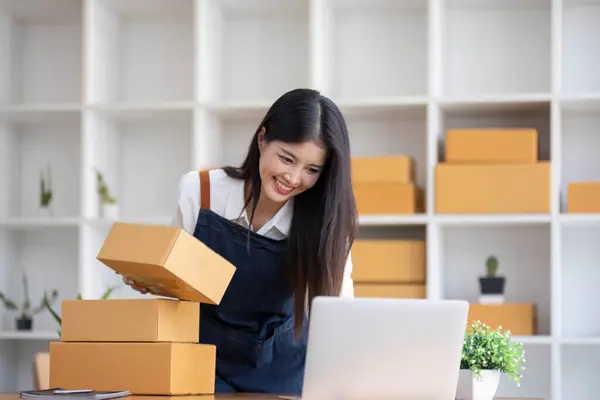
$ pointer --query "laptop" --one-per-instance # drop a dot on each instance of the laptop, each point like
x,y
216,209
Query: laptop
x,y
376,348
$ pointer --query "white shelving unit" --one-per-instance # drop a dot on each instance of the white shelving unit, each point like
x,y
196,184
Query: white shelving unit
x,y
145,90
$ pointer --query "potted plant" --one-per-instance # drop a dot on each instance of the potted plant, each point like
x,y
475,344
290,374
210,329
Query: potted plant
x,y
491,284
486,355
108,203
25,320
46,195
58,318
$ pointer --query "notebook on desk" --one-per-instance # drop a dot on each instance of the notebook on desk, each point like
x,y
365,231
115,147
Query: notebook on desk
x,y
82,394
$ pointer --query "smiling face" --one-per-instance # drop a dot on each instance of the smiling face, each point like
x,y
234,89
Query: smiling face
x,y
288,169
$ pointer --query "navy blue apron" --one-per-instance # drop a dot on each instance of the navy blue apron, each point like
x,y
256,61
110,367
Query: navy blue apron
x,y
253,326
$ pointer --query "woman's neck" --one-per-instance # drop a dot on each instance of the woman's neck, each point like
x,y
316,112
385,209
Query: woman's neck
x,y
265,209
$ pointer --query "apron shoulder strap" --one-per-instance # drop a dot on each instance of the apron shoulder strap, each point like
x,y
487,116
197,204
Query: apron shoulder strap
x,y
204,189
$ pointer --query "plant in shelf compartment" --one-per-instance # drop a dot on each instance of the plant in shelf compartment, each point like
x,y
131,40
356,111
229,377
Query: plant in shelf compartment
x,y
25,320
487,354
108,203
492,286
46,195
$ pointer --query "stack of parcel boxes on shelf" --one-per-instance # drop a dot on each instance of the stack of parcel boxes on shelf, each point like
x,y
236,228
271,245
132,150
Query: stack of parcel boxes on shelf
x,y
390,267
495,171
146,346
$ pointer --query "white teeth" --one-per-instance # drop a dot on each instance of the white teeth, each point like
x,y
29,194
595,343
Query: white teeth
x,y
284,187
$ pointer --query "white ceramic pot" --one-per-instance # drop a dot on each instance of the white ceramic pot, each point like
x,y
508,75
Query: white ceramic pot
x,y
483,388
110,211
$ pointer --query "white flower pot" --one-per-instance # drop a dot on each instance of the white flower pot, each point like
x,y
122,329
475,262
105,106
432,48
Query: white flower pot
x,y
472,388
110,211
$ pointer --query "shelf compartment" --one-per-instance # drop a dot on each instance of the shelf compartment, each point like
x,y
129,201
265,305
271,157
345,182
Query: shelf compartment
x,y
523,253
376,49
30,144
141,52
581,59
50,257
142,157
537,377
579,366
579,274
496,47
42,52
493,114
257,50
580,136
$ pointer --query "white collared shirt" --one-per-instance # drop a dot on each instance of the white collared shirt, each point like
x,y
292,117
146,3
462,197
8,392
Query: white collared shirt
x,y
227,200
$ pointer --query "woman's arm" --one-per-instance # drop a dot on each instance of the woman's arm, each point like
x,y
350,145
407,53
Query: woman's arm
x,y
188,195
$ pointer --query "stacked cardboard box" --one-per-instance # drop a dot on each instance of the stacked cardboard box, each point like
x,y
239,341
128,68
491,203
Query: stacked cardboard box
x,y
147,346
492,171
386,185
583,197
518,318
391,268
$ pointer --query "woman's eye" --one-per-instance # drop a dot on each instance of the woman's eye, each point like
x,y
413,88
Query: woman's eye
x,y
313,171
286,159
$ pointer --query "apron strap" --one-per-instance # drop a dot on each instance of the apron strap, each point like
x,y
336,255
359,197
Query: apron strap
x,y
204,189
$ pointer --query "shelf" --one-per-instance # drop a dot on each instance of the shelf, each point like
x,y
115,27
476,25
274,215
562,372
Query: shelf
x,y
579,379
375,49
32,335
580,56
537,377
43,51
580,135
140,51
40,145
580,272
392,220
51,253
496,47
257,50
38,223
524,259
142,156
493,219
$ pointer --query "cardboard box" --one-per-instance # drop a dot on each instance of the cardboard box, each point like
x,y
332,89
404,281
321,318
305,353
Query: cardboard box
x,y
498,145
492,189
391,169
518,318
388,261
141,368
388,198
131,320
583,197
167,260
394,291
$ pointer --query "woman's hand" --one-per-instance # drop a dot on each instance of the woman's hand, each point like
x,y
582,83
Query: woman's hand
x,y
130,282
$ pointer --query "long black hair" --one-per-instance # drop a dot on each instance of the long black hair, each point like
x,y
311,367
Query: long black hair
x,y
324,224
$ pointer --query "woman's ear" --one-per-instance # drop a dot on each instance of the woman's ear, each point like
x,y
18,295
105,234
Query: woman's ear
x,y
261,138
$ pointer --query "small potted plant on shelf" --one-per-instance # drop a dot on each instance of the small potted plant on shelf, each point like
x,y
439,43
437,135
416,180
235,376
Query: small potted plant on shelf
x,y
58,318
491,286
46,195
487,354
25,320
108,203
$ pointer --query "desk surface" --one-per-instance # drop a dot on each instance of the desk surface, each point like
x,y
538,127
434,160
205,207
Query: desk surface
x,y
15,396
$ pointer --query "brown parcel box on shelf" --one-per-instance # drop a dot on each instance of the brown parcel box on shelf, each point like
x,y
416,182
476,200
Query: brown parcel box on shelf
x,y
390,290
493,189
392,169
583,197
141,368
518,318
130,320
492,145
167,260
388,261
388,198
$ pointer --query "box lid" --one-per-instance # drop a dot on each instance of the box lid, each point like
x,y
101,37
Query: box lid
x,y
168,261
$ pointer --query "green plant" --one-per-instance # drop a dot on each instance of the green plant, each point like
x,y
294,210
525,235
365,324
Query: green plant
x,y
58,318
26,311
103,190
491,265
46,188
488,349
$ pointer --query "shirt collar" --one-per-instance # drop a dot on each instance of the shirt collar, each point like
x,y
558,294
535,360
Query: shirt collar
x,y
234,209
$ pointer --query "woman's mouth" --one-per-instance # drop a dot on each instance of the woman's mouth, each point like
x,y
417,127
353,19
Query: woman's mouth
x,y
282,188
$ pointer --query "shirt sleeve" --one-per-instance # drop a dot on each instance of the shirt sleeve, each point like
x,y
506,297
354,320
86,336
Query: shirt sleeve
x,y
188,200
348,283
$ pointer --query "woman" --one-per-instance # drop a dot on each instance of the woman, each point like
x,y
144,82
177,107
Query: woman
x,y
286,219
